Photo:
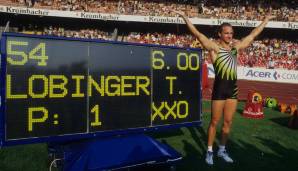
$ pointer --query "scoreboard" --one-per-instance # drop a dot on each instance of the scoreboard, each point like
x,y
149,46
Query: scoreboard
x,y
52,88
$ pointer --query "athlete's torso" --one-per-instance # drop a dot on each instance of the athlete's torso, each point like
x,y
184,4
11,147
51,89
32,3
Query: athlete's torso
x,y
225,68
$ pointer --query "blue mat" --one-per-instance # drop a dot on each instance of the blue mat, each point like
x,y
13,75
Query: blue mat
x,y
115,153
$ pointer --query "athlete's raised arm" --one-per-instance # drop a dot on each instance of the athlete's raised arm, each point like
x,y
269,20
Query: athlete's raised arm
x,y
246,41
206,43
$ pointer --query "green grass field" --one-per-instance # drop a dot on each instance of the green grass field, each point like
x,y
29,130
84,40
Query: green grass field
x,y
255,145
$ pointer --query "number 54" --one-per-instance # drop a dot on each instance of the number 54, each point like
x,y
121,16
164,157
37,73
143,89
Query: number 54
x,y
23,57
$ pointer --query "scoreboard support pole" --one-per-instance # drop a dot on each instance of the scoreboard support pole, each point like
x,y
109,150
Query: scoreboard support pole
x,y
114,153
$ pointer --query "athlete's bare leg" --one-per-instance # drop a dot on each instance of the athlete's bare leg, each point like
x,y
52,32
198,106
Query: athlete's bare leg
x,y
217,109
229,110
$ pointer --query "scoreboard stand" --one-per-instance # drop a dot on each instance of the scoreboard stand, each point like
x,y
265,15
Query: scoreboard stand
x,y
116,153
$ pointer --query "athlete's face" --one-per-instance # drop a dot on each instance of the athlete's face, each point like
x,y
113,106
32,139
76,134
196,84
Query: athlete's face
x,y
226,34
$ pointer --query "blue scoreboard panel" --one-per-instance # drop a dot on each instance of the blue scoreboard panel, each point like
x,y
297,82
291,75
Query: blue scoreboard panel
x,y
52,88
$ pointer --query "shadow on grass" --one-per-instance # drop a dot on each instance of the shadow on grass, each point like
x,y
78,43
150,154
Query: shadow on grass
x,y
239,111
246,155
282,121
166,133
258,154
200,141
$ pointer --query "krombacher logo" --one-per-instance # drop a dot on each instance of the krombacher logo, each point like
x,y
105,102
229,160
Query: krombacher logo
x,y
30,11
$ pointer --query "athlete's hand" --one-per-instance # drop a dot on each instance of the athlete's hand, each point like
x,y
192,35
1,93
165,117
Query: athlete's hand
x,y
269,17
180,13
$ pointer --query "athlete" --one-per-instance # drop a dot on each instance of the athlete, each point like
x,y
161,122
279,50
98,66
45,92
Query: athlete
x,y
223,55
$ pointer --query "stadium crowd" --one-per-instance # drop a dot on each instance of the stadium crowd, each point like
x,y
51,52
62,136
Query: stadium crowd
x,y
265,53
220,9
270,53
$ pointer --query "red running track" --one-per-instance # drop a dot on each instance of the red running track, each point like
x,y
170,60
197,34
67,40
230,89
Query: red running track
x,y
284,93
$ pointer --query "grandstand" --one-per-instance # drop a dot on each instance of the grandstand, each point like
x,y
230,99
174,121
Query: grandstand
x,y
275,48
237,9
